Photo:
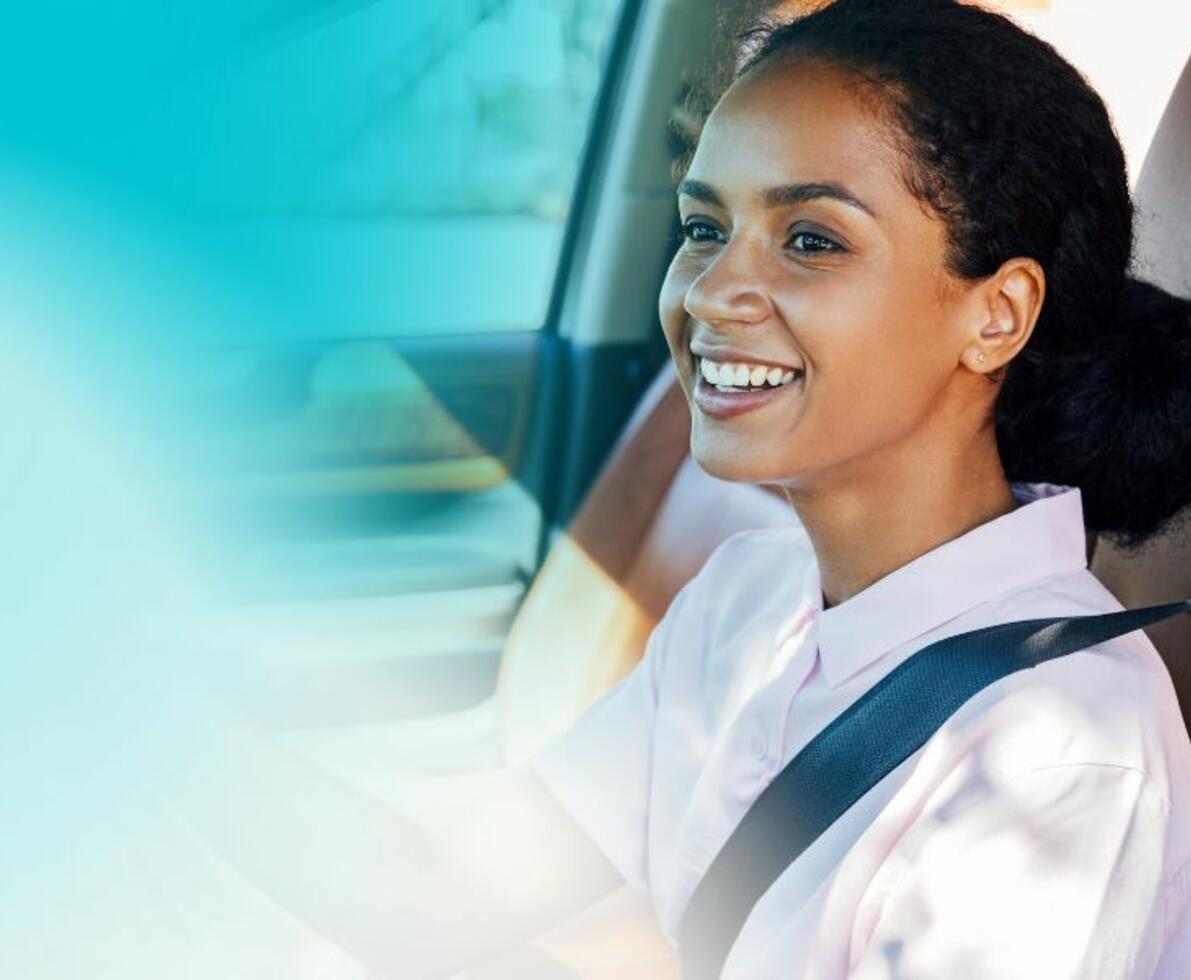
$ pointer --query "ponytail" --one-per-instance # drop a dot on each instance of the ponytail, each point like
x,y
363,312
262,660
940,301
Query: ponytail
x,y
1113,418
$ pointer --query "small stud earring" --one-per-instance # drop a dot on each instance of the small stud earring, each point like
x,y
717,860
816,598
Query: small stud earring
x,y
980,358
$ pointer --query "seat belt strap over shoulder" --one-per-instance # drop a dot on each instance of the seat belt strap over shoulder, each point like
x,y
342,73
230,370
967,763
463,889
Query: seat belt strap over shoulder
x,y
866,742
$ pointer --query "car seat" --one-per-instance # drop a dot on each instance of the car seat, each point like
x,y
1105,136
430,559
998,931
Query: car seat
x,y
1162,573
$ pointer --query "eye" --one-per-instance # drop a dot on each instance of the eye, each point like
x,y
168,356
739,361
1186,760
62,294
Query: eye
x,y
698,231
814,244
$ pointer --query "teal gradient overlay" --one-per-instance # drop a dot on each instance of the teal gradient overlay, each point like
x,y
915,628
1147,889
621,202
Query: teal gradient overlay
x,y
190,190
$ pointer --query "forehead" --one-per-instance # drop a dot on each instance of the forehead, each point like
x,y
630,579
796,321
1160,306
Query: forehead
x,y
789,122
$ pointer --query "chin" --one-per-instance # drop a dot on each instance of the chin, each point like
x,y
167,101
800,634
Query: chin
x,y
731,465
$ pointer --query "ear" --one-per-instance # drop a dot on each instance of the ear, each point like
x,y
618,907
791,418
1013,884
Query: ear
x,y
1006,307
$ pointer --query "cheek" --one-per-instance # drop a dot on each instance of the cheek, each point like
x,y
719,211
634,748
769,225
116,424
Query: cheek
x,y
671,299
879,373
864,348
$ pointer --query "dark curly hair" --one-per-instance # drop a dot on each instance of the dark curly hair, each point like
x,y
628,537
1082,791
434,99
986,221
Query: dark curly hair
x,y
1012,149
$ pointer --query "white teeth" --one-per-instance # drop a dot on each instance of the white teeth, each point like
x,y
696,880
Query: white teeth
x,y
710,370
730,375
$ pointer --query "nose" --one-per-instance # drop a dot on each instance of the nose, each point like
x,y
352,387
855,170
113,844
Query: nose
x,y
729,289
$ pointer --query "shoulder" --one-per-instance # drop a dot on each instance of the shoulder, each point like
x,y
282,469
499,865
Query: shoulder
x,y
1112,704
746,586
754,569
762,550
745,560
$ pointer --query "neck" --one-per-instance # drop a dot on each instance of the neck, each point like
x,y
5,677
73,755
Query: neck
x,y
870,516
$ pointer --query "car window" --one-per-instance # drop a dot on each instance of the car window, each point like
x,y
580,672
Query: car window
x,y
399,169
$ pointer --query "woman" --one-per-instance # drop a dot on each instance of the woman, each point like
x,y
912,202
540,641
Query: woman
x,y
902,296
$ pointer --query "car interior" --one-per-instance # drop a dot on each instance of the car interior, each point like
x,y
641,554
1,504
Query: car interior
x,y
471,581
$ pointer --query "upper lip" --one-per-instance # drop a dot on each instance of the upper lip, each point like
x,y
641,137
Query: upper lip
x,y
734,354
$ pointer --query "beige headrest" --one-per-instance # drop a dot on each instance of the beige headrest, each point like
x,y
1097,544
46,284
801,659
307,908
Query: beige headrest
x,y
1163,197
1163,256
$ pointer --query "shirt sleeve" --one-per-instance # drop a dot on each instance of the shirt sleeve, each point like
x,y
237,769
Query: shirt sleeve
x,y
1056,874
600,769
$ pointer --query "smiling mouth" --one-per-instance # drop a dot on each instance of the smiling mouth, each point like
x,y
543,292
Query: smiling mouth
x,y
735,376
726,399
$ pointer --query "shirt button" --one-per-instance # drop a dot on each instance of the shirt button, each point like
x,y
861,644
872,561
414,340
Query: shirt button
x,y
760,749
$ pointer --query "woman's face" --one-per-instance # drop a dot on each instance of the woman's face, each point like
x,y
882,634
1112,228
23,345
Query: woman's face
x,y
779,270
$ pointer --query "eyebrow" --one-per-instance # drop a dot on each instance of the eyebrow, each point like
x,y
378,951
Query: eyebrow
x,y
783,196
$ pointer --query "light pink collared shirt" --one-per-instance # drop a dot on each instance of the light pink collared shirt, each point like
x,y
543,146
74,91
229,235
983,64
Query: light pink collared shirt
x,y
1043,832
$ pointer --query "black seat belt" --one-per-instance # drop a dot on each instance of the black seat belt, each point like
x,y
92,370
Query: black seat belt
x,y
864,743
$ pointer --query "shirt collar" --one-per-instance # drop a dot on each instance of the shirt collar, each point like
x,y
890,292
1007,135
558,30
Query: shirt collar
x,y
1044,536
